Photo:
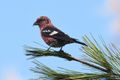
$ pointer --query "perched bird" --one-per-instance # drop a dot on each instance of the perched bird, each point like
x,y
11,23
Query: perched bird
x,y
52,35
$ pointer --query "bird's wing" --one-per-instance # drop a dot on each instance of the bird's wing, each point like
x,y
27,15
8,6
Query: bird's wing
x,y
55,33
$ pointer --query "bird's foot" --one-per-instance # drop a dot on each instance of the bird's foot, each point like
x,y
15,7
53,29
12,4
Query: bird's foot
x,y
48,49
61,51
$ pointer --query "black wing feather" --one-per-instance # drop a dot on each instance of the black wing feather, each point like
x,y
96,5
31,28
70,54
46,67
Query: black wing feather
x,y
60,35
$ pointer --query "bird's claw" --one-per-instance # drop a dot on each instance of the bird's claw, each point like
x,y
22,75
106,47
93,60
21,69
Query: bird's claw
x,y
61,51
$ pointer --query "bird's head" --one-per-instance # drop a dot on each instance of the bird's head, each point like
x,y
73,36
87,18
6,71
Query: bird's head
x,y
42,21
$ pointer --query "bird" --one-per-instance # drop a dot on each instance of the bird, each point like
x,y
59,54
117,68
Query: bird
x,y
53,36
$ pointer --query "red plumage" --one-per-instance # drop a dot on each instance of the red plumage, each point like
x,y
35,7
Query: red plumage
x,y
53,36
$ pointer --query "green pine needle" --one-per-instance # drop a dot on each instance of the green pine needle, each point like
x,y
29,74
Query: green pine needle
x,y
100,56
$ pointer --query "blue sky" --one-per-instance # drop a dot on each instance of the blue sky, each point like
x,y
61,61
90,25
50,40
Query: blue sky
x,y
75,17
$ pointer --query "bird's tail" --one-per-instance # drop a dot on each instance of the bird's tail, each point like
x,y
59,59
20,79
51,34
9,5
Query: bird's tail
x,y
76,41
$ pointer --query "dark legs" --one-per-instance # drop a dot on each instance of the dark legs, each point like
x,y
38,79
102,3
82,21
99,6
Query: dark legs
x,y
48,48
61,49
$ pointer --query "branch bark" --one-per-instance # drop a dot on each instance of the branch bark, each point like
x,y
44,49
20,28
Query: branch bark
x,y
40,53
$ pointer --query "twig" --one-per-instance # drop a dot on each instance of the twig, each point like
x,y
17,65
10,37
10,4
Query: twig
x,y
35,52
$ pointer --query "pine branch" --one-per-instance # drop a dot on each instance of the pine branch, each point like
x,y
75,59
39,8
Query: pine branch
x,y
48,73
36,52
98,56
104,56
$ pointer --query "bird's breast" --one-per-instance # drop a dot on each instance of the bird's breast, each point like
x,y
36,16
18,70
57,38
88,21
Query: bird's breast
x,y
52,42
47,39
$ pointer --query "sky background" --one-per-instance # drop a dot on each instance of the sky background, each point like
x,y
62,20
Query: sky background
x,y
75,17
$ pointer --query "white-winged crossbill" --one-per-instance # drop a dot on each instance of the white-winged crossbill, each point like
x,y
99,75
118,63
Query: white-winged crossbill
x,y
52,35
